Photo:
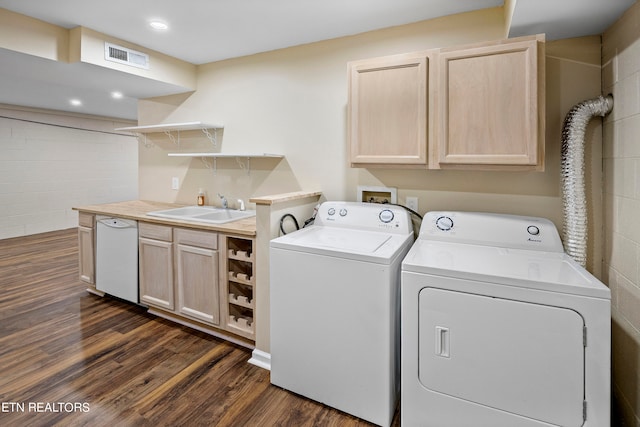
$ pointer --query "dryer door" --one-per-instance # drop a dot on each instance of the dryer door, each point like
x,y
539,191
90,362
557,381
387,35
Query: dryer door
x,y
518,357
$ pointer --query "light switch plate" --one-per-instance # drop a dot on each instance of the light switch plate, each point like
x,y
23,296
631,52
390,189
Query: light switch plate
x,y
175,183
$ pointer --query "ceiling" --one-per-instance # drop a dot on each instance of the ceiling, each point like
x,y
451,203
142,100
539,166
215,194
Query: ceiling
x,y
203,31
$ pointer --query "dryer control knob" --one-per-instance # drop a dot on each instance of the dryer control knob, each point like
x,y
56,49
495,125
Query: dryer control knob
x,y
331,211
386,216
444,223
343,212
533,230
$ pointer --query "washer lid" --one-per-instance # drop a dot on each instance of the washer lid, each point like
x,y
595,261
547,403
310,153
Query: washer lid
x,y
360,245
550,271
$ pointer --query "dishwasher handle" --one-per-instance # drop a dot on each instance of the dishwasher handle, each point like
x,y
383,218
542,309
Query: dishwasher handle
x,y
118,223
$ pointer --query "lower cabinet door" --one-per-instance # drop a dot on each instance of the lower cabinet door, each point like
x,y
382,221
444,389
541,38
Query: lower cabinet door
x,y
156,273
197,281
86,245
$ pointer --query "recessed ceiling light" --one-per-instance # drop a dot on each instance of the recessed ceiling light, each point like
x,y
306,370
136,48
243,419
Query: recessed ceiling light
x,y
116,95
75,102
158,25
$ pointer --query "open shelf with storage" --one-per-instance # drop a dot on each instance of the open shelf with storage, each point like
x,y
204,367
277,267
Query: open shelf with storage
x,y
239,287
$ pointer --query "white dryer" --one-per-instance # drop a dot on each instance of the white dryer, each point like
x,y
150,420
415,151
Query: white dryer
x,y
335,308
501,328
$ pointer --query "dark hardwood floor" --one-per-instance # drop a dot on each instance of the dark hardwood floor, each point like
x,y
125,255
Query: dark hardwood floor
x,y
71,358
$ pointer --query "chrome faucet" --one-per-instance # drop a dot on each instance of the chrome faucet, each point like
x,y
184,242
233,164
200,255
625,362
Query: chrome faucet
x,y
225,204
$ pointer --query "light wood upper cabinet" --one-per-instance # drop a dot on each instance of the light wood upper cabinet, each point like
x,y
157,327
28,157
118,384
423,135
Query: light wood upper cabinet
x,y
480,106
489,106
388,110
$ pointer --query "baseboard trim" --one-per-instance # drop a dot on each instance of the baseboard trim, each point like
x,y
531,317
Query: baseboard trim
x,y
197,327
261,359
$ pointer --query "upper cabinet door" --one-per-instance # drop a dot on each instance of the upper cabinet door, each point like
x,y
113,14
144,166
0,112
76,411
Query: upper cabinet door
x,y
489,110
388,111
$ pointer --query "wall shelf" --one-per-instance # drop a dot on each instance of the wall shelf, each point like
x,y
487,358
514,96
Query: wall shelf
x,y
237,156
268,155
170,128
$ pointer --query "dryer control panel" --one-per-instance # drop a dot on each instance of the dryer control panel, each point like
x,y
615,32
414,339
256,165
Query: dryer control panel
x,y
365,216
506,231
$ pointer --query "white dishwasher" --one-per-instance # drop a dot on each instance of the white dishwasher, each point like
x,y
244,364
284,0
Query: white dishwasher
x,y
117,257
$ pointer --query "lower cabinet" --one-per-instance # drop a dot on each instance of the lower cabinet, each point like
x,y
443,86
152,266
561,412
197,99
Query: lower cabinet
x,y
156,272
239,285
191,289
199,275
156,269
86,247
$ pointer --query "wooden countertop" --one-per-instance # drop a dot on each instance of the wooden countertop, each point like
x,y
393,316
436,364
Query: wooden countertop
x,y
138,209
285,197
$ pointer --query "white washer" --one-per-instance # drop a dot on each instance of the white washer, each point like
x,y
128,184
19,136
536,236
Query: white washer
x,y
335,308
500,327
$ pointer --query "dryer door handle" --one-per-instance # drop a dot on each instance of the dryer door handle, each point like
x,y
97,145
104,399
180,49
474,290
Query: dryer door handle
x,y
442,341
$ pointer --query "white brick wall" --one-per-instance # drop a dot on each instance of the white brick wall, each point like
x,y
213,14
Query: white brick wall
x,y
621,77
46,170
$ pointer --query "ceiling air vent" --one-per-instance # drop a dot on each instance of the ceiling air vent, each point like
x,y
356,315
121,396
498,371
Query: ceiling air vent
x,y
126,56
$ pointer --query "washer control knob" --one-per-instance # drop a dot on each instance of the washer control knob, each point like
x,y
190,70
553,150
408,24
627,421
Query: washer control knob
x,y
343,212
331,211
533,230
386,216
444,223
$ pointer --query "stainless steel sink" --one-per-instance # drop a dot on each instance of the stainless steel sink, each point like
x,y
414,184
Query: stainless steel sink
x,y
208,214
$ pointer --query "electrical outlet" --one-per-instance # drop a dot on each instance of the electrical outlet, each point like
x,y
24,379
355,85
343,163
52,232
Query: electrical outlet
x,y
175,183
412,203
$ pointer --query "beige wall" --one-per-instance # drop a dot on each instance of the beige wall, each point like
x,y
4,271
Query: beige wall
x,y
509,7
574,75
28,35
293,102
290,102
621,76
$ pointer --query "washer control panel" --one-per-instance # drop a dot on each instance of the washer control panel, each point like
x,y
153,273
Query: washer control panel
x,y
534,230
500,230
444,223
386,216
366,216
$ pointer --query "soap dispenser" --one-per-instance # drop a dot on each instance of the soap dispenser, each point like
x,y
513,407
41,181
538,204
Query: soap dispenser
x,y
200,197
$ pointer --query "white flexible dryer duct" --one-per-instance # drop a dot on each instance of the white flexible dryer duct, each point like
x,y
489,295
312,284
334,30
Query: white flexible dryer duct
x,y
574,200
